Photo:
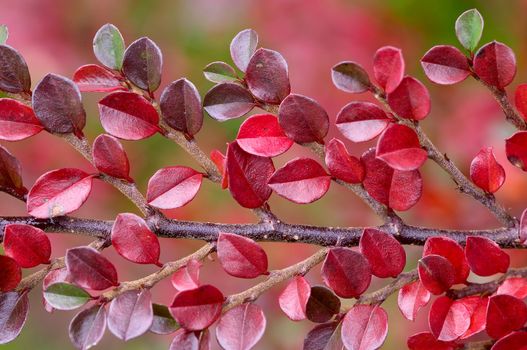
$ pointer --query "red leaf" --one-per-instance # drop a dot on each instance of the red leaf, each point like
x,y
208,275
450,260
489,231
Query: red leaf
x,y
322,336
350,77
59,192
187,277
516,149
364,327
219,160
399,190
110,158
410,99
399,147
293,299
347,272
14,74
520,99
241,327
411,298
10,274
17,121
196,309
486,172
452,251
444,64
361,121
515,286
341,164
142,64
248,176
27,245
267,76
512,341
134,241
426,341
243,47
262,135
128,116
240,256
301,180
10,174
87,327
87,268
448,319
505,314
130,314
94,78
485,257
14,309
181,108
477,308
436,273
388,67
495,64
303,119
227,101
322,304
173,187
384,253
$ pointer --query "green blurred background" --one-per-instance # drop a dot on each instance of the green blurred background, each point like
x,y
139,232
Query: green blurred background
x,y
313,35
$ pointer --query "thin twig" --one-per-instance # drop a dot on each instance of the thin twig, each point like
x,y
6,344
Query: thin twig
x,y
486,288
380,295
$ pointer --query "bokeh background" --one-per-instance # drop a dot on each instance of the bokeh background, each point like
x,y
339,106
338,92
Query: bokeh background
x,y
313,35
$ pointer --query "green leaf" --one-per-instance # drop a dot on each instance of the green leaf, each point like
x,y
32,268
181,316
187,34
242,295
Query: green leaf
x,y
4,33
65,296
469,27
163,322
108,46
219,72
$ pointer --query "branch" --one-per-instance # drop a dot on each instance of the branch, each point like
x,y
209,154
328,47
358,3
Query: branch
x,y
382,294
486,288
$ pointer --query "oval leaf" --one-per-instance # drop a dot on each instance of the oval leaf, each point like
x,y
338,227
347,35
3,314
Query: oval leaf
x,y
469,27
241,327
515,286
243,47
322,304
350,77
388,67
130,314
27,245
436,273
516,149
94,78
513,341
347,272
267,76
108,46
364,327
14,309
87,268
142,64
361,121
477,308
505,314
186,340
220,72
341,164
485,257
11,175
87,327
262,135
181,109
384,253
17,121
10,274
426,340
293,299
321,336
14,74
452,251
486,172
187,277
65,296
448,319
228,101
411,298
110,158
240,256
495,64
173,187
399,147
410,100
444,64
163,322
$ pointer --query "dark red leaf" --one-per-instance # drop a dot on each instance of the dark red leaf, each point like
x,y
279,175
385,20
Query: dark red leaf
x,y
522,235
486,172
87,268
220,161
134,241
321,336
110,158
520,99
347,272
322,304
384,253
187,277
240,256
448,319
341,164
516,149
128,116
477,308
241,328
94,78
411,298
512,341
444,64
399,147
163,322
388,67
248,176
130,314
262,135
301,180
27,245
87,327
11,174
495,64
185,340
515,286
399,190
10,274
228,101
14,308
426,341
243,47
17,121
485,257
267,76
173,187
142,64
410,99
505,314
452,251
181,109
436,273
364,327
350,77
14,74
294,297
196,309
361,121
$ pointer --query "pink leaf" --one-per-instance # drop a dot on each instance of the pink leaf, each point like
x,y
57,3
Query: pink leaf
x,y
241,327
477,308
515,286
444,64
130,314
361,121
294,297
388,67
411,298
187,277
87,327
173,187
448,319
364,327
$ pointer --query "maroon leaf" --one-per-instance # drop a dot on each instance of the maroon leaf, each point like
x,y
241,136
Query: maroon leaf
x,y
321,336
110,158
364,327
495,64
262,135
240,256
14,309
59,192
388,67
220,161
243,47
301,180
426,341
163,322
444,64
516,149
399,147
11,174
196,309
410,99
130,314
228,101
134,241
485,257
361,121
173,187
17,121
347,272
322,304
267,76
452,251
384,253
505,314
248,176
448,319
142,64
515,286
185,340
181,109
14,74
350,77
10,274
87,268
486,172
27,245
241,328
58,106
87,327
411,298
187,277
128,116
94,78
294,297
477,308
341,164
512,341
436,273
399,190
520,99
